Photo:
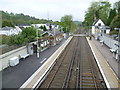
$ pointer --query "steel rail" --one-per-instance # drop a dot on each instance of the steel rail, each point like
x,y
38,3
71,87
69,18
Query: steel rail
x,y
58,67
68,75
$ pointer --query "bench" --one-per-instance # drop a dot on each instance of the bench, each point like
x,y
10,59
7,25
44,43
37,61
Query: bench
x,y
113,50
101,42
24,56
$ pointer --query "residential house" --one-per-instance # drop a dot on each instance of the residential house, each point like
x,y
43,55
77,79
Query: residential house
x,y
39,25
54,37
48,26
21,26
99,27
95,27
10,31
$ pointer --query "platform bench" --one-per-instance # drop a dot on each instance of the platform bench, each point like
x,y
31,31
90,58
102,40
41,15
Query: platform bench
x,y
113,50
24,56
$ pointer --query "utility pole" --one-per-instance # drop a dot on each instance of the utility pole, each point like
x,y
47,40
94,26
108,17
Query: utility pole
x,y
48,16
54,37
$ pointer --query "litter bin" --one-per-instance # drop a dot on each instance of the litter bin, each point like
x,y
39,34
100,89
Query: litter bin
x,y
90,38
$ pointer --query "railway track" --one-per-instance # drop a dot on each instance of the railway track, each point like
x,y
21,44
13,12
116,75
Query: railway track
x,y
58,69
76,68
89,75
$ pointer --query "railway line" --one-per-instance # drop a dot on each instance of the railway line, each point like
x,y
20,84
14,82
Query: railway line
x,y
75,68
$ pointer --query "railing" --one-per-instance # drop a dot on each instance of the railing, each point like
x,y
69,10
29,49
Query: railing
x,y
110,42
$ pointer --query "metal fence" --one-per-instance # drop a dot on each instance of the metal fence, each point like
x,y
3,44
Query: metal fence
x,y
110,42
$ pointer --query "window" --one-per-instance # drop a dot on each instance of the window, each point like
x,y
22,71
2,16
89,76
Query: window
x,y
99,24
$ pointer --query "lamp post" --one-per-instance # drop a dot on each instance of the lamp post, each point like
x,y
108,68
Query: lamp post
x,y
37,42
119,45
54,37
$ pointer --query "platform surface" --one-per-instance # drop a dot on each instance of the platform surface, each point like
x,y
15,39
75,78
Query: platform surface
x,y
109,76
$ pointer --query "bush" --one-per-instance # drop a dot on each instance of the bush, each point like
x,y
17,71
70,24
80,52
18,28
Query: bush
x,y
26,36
114,32
115,22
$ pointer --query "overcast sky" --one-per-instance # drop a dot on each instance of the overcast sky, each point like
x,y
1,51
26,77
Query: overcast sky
x,y
55,8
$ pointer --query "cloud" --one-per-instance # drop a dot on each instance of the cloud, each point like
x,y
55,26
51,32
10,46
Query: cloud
x,y
40,8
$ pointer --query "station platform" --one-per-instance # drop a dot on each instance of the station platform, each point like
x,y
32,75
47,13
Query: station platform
x,y
79,35
36,78
111,79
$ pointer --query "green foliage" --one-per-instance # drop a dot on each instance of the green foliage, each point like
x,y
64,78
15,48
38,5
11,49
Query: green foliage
x,y
115,22
43,21
97,10
26,36
17,39
112,14
114,32
5,39
117,7
7,23
43,27
21,18
29,34
67,23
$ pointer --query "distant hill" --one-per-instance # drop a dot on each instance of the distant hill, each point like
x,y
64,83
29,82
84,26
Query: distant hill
x,y
20,18
78,22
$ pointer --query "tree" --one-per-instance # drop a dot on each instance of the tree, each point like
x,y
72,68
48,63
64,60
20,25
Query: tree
x,y
7,23
17,39
29,34
97,10
112,14
117,7
66,22
43,27
115,22
5,39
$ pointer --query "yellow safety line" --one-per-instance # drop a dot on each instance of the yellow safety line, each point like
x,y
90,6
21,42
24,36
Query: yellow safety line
x,y
109,66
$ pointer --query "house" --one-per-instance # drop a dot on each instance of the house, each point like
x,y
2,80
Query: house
x,y
105,29
99,27
95,27
48,26
55,37
10,31
39,25
21,26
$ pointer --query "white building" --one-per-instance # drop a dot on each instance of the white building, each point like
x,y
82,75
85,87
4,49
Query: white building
x,y
99,26
95,26
10,31
47,26
39,25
